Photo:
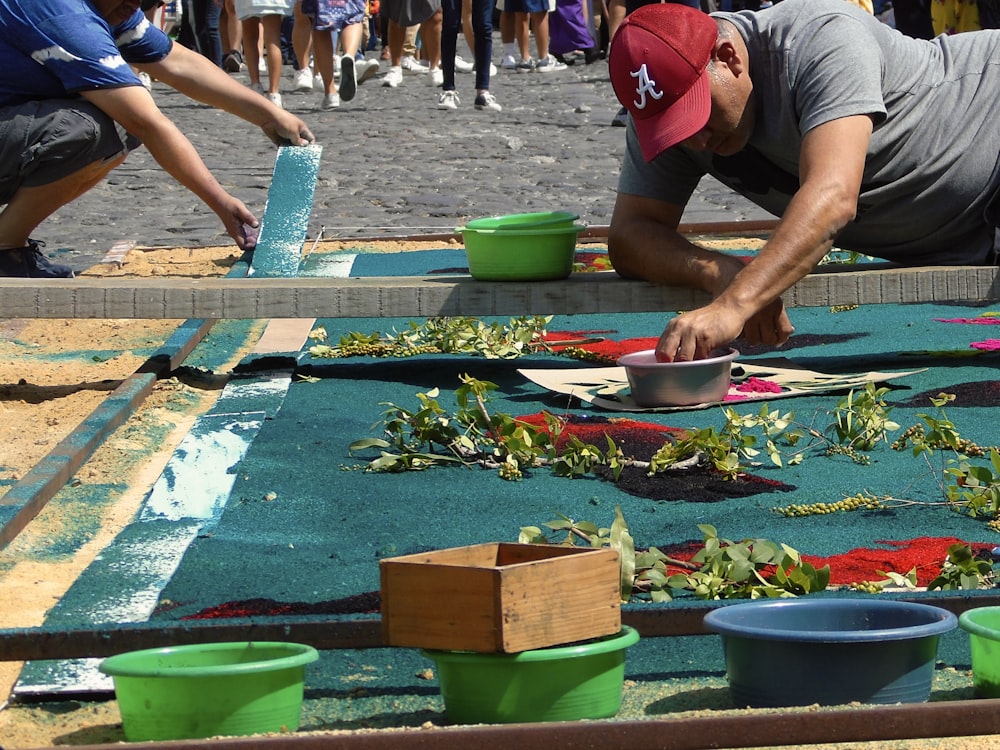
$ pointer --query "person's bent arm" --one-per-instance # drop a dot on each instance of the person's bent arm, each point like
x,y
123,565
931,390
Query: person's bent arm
x,y
194,75
831,169
134,109
643,243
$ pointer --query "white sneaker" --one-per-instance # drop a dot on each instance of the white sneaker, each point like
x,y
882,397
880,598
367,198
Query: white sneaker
x,y
318,81
275,99
302,80
393,78
412,65
261,64
448,100
330,101
549,64
437,77
508,63
147,82
258,88
366,69
463,66
486,100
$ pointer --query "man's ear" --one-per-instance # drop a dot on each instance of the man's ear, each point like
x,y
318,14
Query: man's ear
x,y
726,53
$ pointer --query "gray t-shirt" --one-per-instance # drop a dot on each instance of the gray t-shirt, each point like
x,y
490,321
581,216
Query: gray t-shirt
x,y
932,160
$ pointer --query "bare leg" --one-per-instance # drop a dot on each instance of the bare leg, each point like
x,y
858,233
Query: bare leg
x,y
30,206
323,59
540,24
430,35
251,48
272,50
230,27
397,34
522,33
302,36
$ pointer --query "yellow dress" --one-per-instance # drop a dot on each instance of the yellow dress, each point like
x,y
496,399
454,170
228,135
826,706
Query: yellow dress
x,y
954,16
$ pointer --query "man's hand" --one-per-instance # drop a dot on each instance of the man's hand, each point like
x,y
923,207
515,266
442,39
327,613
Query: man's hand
x,y
285,129
240,223
696,334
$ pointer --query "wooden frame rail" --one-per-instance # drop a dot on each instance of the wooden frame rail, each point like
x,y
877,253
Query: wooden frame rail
x,y
380,297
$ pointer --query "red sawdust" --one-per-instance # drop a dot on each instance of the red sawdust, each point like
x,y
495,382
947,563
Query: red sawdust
x,y
638,440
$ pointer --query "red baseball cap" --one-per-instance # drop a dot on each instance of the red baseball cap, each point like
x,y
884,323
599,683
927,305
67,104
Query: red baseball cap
x,y
658,69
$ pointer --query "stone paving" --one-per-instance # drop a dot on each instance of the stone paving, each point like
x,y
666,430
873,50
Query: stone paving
x,y
393,164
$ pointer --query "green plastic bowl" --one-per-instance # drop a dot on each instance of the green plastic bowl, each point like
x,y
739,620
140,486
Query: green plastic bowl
x,y
211,689
537,220
983,626
521,254
563,683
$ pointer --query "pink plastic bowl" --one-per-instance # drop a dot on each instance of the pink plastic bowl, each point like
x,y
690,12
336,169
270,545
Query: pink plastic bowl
x,y
685,383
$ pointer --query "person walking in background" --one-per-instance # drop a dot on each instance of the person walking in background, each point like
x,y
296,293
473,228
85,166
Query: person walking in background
x,y
302,46
403,16
231,32
200,28
261,22
345,18
482,25
532,16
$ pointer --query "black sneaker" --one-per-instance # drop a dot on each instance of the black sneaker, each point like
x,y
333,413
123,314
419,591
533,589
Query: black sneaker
x,y
620,120
30,263
233,61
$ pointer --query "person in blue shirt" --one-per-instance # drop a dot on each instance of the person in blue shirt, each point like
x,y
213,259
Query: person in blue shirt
x,y
72,108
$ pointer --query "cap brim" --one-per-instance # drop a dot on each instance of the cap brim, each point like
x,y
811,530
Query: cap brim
x,y
679,121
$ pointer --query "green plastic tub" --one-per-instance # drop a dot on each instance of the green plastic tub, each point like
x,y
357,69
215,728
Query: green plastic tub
x,y
544,254
536,220
983,626
212,689
564,683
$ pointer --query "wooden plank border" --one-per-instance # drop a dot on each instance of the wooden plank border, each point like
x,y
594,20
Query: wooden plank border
x,y
378,297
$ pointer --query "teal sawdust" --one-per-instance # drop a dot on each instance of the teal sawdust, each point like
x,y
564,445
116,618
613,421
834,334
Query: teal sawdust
x,y
305,525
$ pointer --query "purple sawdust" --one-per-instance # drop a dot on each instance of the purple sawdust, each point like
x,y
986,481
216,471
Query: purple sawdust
x,y
982,393
988,321
699,485
356,604
799,340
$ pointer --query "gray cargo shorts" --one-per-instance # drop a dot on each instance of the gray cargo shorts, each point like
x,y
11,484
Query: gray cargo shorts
x,y
44,141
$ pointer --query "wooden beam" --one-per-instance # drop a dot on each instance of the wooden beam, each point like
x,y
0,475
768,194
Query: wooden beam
x,y
385,297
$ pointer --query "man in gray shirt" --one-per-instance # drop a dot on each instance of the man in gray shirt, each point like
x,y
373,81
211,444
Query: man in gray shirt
x,y
818,112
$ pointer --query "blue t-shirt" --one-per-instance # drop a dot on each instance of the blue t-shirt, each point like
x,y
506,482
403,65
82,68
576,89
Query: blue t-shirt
x,y
53,49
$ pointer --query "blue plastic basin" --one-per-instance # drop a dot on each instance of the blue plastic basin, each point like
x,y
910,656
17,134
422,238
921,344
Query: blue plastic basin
x,y
799,652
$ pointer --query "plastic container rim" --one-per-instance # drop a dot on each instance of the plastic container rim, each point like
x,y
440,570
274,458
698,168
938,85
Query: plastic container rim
x,y
123,665
627,636
967,622
718,620
524,220
525,231
629,360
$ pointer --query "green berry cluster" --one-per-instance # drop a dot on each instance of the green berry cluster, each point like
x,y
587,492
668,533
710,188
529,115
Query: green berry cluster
x,y
586,356
866,587
381,349
916,434
845,450
510,472
857,502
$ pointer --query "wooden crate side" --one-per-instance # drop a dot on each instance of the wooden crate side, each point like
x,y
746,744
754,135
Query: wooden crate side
x,y
560,600
514,554
475,555
438,607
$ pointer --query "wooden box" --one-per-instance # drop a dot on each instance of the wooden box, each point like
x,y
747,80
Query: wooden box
x,y
500,597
